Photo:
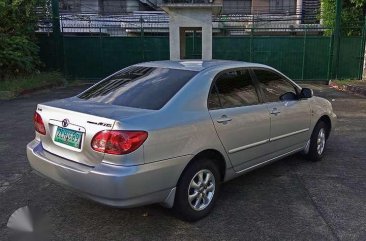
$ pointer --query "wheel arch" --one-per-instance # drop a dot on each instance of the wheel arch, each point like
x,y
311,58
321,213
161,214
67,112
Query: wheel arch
x,y
213,155
326,119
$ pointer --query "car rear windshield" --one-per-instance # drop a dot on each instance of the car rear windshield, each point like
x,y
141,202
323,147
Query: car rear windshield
x,y
139,87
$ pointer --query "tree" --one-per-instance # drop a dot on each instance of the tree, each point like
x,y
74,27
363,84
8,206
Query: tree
x,y
18,50
352,17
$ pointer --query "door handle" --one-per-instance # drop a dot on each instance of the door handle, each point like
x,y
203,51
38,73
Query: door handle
x,y
224,119
275,111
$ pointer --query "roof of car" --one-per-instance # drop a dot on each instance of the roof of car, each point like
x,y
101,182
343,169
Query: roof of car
x,y
198,65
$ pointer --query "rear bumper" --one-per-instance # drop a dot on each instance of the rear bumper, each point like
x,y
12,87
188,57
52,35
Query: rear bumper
x,y
121,186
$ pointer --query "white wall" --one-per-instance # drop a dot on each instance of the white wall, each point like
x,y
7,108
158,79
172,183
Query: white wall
x,y
190,17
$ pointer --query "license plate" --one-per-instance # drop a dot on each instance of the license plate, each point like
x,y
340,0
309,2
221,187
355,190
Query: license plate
x,y
68,137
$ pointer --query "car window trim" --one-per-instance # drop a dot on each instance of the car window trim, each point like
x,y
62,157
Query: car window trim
x,y
217,91
259,90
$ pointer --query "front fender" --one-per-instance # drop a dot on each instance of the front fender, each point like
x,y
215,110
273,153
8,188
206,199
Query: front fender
x,y
320,107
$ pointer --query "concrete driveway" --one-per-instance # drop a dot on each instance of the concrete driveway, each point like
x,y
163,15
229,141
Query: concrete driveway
x,y
292,199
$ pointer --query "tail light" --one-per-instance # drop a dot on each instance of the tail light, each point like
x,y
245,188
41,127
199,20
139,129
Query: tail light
x,y
38,124
118,142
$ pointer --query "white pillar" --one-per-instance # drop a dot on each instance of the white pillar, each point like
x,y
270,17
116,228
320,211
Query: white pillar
x,y
174,40
207,41
190,16
299,11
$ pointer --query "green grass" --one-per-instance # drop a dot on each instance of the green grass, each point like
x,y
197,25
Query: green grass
x,y
33,81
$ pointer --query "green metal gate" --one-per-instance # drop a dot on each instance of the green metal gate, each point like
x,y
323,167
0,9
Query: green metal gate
x,y
307,57
97,57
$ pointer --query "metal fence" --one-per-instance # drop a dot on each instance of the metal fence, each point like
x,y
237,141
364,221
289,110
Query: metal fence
x,y
93,46
157,23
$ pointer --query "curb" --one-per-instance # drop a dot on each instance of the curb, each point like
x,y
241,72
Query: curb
x,y
30,91
8,95
354,89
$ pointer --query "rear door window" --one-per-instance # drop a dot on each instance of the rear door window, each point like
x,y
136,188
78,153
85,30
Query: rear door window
x,y
232,89
139,87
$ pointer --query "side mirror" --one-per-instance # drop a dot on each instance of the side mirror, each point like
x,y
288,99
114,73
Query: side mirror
x,y
306,93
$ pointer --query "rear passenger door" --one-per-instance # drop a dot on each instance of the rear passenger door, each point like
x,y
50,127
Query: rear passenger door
x,y
241,121
290,115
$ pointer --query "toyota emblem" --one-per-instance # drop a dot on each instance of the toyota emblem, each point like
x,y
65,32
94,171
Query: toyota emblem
x,y
65,122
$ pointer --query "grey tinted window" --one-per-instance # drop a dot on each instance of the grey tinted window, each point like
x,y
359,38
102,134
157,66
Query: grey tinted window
x,y
213,99
139,87
273,85
235,88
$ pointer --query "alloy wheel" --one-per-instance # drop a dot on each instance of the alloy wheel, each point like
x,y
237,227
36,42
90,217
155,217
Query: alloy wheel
x,y
321,141
201,190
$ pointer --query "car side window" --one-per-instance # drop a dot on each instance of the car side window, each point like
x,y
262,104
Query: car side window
x,y
274,86
233,88
213,99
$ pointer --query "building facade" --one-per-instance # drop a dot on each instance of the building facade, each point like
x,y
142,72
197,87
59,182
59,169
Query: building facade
x,y
304,8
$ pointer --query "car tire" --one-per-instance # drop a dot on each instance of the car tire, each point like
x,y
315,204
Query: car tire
x,y
197,190
318,142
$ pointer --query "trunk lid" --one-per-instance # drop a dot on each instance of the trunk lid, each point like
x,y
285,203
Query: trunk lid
x,y
84,118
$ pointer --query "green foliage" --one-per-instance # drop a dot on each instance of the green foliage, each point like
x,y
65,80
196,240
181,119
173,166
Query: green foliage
x,y
328,13
18,54
18,51
352,16
358,3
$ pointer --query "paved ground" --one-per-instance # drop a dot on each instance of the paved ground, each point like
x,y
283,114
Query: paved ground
x,y
292,199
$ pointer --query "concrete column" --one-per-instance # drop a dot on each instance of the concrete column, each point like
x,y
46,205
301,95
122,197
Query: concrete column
x,y
174,40
184,17
207,42
299,11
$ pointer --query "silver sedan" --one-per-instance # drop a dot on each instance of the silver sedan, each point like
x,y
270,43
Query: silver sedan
x,y
172,132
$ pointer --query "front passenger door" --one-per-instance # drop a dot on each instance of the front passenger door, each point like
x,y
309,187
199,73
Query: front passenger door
x,y
290,115
241,121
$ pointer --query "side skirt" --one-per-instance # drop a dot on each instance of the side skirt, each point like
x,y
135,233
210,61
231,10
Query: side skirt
x,y
233,175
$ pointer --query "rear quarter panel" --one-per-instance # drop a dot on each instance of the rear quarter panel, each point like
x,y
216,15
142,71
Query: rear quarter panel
x,y
182,127
175,134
